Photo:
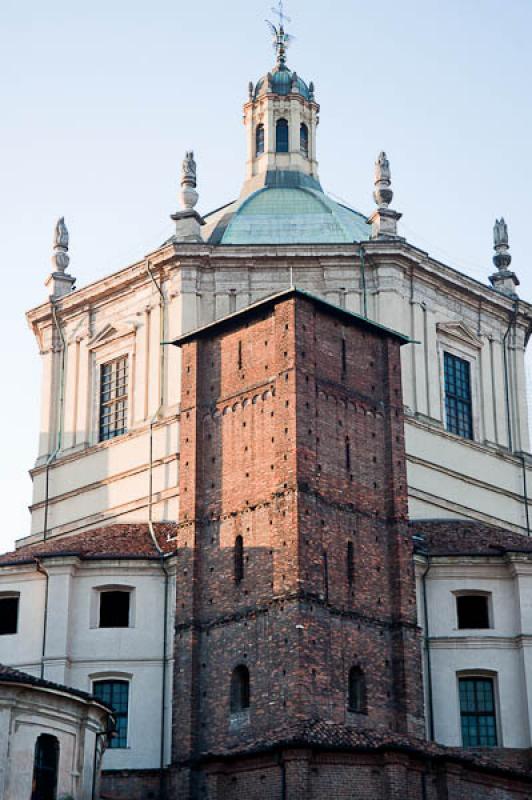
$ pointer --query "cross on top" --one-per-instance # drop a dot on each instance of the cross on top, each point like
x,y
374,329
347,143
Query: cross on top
x,y
279,12
281,40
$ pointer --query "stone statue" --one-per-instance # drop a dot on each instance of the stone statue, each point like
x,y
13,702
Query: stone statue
x,y
250,90
383,194
382,169
500,233
61,235
188,170
311,90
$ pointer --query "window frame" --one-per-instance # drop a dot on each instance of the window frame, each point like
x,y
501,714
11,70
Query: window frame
x,y
94,612
480,675
474,593
114,433
455,399
114,678
452,338
12,596
279,127
121,343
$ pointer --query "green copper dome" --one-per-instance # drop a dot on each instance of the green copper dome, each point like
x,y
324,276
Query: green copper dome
x,y
289,216
282,81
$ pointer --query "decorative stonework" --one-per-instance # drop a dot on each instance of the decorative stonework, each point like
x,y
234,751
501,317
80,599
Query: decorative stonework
x,y
504,279
59,282
384,220
188,221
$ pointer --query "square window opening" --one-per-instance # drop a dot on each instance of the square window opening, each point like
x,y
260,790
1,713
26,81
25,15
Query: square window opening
x,y
473,611
114,609
8,615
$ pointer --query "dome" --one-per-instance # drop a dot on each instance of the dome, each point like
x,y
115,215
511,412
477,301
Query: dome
x,y
287,215
281,83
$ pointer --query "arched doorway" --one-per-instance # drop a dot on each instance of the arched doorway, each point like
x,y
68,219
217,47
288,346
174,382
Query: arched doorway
x,y
45,768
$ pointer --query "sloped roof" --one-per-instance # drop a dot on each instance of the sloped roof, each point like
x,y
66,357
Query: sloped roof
x,y
16,676
110,541
450,537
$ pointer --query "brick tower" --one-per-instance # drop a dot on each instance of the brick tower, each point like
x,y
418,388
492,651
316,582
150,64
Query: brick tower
x,y
295,588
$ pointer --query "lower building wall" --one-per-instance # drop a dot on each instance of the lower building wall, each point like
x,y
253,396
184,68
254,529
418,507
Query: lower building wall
x,y
303,775
131,784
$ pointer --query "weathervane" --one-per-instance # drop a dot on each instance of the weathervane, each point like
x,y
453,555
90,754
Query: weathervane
x,y
281,40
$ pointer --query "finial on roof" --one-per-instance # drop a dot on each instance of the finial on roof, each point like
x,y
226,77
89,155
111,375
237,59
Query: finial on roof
x,y
188,221
281,40
250,90
504,279
311,90
384,219
59,282
383,194
189,195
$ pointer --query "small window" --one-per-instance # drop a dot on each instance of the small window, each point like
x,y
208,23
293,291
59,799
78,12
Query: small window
x,y
472,611
281,136
45,768
8,614
458,410
239,700
356,696
114,609
477,712
116,695
239,559
303,140
113,398
259,140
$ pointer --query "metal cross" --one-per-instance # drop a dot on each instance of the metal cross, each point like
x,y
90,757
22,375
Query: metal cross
x,y
279,12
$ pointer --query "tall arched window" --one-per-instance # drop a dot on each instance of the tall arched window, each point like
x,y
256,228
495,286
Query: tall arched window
x,y
45,768
303,140
356,691
239,699
239,559
281,136
259,139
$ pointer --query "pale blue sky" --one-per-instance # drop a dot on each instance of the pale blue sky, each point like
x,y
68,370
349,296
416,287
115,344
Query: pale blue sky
x,y
99,101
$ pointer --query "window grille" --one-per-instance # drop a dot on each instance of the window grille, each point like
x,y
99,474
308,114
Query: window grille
x,y
458,410
281,136
113,398
116,695
303,140
477,712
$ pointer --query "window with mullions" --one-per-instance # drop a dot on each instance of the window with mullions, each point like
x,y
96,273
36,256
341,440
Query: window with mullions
x,y
458,411
477,712
113,398
116,695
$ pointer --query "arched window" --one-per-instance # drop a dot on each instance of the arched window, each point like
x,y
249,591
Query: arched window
x,y
239,559
45,768
281,136
259,139
239,700
303,140
356,692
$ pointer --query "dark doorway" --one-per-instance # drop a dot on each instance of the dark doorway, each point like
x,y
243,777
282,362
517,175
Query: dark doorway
x,y
45,767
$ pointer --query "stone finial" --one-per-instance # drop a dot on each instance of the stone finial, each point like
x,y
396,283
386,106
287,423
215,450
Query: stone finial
x,y
250,90
383,194
384,220
311,90
504,279
59,282
295,82
188,221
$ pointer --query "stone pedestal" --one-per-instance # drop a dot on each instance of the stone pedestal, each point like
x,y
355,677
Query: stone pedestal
x,y
188,226
59,284
384,223
505,281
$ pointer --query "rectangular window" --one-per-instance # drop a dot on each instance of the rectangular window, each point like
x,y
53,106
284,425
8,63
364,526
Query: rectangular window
x,y
114,609
472,611
477,712
8,615
116,695
458,411
113,398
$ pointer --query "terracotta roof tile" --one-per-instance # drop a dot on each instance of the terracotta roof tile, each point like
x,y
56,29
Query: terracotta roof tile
x,y
10,675
444,537
110,541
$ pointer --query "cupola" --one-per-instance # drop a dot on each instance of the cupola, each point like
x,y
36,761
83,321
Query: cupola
x,y
281,117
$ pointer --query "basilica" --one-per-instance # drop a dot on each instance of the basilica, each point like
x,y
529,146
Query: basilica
x,y
280,517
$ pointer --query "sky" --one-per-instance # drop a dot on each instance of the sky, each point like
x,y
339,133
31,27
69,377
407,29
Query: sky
x,y
100,100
